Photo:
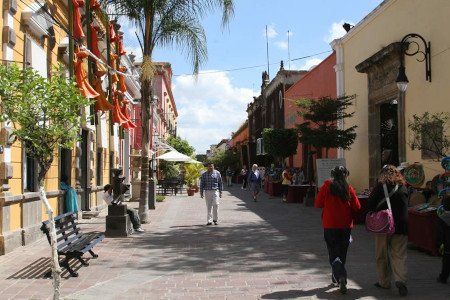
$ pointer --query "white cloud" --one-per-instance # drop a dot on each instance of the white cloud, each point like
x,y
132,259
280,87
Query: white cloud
x,y
281,45
336,31
310,63
209,108
271,32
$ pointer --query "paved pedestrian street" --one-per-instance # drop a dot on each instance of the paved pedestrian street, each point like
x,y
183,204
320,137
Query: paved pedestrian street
x,y
259,250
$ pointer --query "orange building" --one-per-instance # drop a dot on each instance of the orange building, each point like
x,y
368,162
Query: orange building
x,y
319,82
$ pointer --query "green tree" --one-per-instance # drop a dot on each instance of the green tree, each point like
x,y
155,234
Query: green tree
x,y
280,143
181,145
429,133
165,23
223,159
45,115
320,127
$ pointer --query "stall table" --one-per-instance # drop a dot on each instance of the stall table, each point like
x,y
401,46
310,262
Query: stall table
x,y
422,230
296,193
359,217
274,188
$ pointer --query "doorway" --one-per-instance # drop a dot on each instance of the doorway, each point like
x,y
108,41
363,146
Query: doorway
x,y
84,168
389,134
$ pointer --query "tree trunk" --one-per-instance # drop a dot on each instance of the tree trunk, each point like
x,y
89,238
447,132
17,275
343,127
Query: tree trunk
x,y
56,270
145,147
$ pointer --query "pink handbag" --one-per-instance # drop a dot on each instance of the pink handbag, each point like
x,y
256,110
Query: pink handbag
x,y
382,222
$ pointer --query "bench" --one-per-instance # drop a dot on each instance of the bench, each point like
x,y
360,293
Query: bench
x,y
71,243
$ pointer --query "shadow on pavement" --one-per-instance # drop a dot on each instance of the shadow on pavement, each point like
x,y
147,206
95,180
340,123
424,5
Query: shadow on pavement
x,y
38,268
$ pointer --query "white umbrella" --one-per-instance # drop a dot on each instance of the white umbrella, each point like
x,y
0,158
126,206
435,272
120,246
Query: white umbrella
x,y
193,161
174,156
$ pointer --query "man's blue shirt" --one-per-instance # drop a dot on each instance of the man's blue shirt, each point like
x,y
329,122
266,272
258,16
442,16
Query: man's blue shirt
x,y
211,181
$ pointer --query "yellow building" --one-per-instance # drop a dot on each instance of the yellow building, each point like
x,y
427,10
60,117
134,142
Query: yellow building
x,y
368,58
36,34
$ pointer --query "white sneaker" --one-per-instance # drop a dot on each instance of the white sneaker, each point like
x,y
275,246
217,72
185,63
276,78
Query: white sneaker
x,y
139,230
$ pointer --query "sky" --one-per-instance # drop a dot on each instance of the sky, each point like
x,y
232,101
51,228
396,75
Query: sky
x,y
213,105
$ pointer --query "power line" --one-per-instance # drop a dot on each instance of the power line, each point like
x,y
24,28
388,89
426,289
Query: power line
x,y
251,67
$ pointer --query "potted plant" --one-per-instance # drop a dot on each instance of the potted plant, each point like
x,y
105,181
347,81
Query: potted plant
x,y
191,176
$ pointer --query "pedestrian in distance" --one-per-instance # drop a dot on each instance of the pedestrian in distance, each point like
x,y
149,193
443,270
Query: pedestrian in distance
x,y
286,181
229,175
108,197
390,250
244,174
211,187
443,238
338,200
255,180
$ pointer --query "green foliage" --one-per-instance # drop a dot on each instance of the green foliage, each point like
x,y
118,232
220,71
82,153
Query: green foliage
x,y
169,169
280,142
45,113
223,159
192,174
429,133
172,23
160,198
321,118
181,145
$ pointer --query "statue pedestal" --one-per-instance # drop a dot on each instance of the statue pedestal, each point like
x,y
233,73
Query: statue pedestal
x,y
118,222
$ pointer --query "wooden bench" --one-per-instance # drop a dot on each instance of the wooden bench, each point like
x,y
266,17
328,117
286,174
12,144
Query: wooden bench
x,y
71,243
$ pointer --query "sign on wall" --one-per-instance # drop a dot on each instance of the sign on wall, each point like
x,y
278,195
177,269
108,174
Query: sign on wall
x,y
324,167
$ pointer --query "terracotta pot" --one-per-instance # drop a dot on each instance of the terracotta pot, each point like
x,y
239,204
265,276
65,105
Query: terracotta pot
x,y
190,191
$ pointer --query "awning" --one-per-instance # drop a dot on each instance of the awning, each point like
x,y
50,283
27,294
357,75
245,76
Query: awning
x,y
174,156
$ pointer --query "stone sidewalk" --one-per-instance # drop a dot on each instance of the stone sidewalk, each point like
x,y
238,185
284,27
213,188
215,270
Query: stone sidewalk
x,y
263,250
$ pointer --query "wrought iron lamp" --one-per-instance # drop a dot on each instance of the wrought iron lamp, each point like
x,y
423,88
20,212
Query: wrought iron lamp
x,y
407,40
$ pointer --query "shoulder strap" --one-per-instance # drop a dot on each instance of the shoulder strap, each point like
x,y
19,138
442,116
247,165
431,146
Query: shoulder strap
x,y
387,195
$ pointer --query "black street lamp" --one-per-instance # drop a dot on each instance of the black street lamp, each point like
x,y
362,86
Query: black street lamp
x,y
407,40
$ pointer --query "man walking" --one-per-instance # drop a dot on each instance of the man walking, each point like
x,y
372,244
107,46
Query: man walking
x,y
211,187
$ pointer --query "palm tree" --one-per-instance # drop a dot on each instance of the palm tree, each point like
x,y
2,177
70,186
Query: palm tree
x,y
166,23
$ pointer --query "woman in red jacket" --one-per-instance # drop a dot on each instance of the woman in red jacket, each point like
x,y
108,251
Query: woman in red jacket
x,y
338,200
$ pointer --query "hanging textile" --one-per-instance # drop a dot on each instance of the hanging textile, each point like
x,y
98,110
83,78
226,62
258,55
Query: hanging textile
x,y
112,63
94,4
101,103
70,198
94,41
120,49
122,85
77,26
129,124
81,77
117,116
99,69
112,33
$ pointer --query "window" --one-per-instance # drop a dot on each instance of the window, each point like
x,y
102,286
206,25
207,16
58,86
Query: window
x,y
99,166
30,172
36,57
432,134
